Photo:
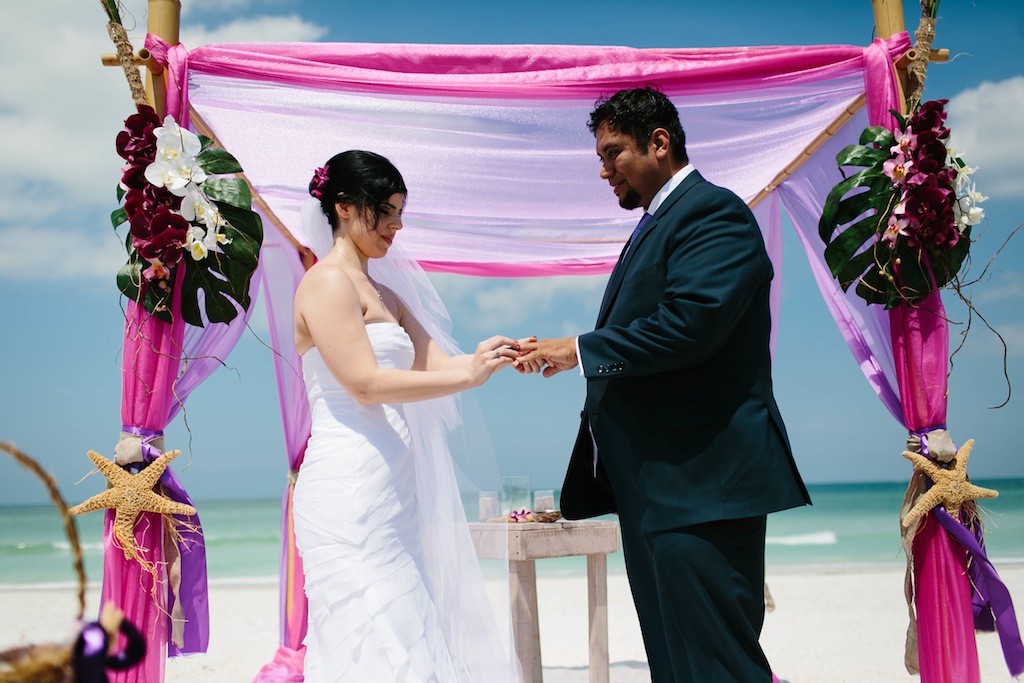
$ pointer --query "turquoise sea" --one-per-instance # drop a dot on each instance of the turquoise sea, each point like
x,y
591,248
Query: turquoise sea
x,y
849,526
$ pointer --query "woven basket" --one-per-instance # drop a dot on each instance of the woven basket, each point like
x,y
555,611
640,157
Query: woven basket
x,y
49,662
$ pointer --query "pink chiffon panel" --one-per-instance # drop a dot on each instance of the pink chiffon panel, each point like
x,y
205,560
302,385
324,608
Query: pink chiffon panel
x,y
548,72
151,358
279,272
920,340
947,650
512,115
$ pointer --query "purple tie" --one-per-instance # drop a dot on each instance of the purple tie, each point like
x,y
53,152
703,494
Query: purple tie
x,y
636,231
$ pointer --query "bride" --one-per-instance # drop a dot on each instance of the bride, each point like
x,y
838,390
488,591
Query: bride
x,y
394,589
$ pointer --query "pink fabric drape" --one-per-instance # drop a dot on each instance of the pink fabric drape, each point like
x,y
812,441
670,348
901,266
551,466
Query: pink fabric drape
x,y
279,258
548,72
154,388
152,353
947,651
449,116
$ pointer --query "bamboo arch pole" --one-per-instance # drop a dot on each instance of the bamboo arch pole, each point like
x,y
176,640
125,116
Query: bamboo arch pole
x,y
831,129
305,253
951,641
888,22
165,23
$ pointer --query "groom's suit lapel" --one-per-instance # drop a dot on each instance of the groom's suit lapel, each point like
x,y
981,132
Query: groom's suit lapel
x,y
622,267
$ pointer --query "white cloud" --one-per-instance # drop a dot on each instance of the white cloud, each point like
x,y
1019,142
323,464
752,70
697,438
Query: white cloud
x,y
491,305
984,342
989,131
54,254
188,9
1004,286
60,111
1013,335
256,29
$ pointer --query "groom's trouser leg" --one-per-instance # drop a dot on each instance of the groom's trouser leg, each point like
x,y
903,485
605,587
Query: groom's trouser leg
x,y
710,583
642,582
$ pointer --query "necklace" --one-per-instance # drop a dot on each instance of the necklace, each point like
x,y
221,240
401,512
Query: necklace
x,y
375,288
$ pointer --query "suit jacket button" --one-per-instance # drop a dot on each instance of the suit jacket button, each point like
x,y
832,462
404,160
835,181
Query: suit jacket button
x,y
581,414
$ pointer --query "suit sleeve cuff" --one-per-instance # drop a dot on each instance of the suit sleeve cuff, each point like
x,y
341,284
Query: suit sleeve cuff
x,y
579,356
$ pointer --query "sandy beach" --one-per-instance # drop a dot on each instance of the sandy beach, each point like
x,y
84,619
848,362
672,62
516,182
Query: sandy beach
x,y
829,626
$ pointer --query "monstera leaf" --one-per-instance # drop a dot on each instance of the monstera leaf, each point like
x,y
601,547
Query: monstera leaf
x,y
899,228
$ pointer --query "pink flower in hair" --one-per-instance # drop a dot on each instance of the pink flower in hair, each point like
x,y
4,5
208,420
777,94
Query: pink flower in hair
x,y
319,181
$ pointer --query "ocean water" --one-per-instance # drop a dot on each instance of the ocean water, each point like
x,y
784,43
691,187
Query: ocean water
x,y
848,526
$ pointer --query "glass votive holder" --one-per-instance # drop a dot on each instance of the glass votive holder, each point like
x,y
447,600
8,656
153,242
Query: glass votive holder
x,y
517,493
488,505
544,500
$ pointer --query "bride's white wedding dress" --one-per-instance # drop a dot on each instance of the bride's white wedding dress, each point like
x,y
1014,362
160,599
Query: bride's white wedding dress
x,y
378,609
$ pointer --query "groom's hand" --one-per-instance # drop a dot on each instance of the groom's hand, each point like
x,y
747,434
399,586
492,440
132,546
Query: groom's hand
x,y
551,356
532,367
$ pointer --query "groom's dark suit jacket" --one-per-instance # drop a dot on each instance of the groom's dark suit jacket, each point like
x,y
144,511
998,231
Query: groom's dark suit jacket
x,y
679,389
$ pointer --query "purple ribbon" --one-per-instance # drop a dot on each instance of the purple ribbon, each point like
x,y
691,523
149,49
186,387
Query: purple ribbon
x,y
193,590
922,434
993,608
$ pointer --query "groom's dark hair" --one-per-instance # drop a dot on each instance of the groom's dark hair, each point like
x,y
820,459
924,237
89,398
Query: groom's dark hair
x,y
637,113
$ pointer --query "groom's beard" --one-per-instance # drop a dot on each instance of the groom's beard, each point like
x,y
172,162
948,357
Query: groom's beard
x,y
630,200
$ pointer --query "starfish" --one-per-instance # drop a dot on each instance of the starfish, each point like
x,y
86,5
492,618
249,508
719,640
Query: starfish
x,y
950,488
130,495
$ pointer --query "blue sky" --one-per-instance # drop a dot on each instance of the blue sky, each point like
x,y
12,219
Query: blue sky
x,y
62,318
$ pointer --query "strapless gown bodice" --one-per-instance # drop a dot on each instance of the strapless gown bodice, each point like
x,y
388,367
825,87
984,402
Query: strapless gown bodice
x,y
333,408
371,615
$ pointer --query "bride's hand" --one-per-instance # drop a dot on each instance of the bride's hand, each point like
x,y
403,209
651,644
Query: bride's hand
x,y
492,355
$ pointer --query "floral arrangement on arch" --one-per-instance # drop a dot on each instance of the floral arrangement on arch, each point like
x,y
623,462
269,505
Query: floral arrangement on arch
x,y
184,221
900,228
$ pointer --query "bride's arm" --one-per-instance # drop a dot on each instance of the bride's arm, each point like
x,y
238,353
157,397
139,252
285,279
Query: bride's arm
x,y
327,304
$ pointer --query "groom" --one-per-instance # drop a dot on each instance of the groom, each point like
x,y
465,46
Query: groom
x,y
680,434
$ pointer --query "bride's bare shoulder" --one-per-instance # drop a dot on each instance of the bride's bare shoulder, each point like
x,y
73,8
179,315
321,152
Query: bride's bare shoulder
x,y
324,277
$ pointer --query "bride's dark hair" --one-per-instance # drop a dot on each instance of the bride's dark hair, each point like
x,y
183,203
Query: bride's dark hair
x,y
364,179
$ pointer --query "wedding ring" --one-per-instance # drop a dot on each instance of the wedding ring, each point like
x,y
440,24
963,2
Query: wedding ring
x,y
497,353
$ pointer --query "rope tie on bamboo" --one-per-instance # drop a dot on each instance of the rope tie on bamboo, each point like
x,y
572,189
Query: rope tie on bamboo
x,y
924,37
127,58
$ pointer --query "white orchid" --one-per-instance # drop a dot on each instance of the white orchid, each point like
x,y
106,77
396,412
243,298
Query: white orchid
x,y
196,244
216,237
179,176
174,142
966,210
197,208
175,166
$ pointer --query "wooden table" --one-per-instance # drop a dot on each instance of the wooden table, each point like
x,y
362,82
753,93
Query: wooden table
x,y
531,541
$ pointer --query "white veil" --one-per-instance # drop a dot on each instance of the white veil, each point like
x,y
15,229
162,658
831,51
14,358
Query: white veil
x,y
476,625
